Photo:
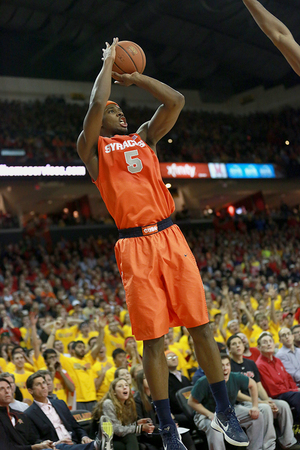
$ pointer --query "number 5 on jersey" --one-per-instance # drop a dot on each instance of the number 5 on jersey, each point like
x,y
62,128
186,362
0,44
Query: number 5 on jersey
x,y
135,165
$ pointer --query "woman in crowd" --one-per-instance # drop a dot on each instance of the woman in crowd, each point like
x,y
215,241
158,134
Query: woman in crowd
x,y
119,406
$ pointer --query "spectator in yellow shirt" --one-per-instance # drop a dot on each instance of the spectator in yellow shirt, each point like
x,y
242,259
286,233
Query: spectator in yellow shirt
x,y
21,375
85,333
114,338
65,333
80,370
120,360
62,383
100,368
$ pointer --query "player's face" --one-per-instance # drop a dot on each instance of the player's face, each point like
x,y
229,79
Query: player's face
x,y
114,121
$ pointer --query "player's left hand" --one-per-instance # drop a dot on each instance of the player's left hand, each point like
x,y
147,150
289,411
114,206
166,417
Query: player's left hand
x,y
126,79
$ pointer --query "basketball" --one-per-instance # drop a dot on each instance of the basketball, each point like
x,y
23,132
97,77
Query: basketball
x,y
130,58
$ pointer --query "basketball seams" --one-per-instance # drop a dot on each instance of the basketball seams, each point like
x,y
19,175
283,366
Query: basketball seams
x,y
124,50
143,58
115,64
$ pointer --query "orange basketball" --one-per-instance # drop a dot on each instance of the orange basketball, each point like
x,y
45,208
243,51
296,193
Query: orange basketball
x,y
130,58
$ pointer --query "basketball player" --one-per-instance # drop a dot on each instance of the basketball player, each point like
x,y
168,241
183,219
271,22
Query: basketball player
x,y
279,34
160,276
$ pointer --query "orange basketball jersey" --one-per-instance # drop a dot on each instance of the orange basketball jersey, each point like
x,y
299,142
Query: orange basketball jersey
x,y
130,182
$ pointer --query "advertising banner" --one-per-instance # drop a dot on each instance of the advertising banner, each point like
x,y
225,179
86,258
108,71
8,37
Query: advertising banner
x,y
184,170
250,171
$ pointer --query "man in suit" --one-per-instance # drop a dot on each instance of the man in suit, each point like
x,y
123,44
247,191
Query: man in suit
x,y
53,419
17,432
177,381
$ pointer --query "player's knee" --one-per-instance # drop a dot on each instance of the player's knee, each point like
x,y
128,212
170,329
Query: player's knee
x,y
155,346
202,332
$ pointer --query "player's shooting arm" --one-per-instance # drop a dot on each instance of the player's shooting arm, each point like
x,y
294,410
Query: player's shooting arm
x,y
279,34
167,113
88,138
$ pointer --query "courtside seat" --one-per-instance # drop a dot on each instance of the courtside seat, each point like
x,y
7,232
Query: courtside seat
x,y
182,396
84,418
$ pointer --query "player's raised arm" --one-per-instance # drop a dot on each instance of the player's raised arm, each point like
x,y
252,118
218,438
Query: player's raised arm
x,y
279,34
166,115
88,138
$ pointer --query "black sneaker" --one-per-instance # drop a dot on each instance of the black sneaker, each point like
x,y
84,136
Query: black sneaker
x,y
228,424
105,434
171,438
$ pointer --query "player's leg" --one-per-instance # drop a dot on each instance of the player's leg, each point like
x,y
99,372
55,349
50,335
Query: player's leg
x,y
208,357
157,374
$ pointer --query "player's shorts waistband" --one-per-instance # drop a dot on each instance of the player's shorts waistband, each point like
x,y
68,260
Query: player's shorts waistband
x,y
147,230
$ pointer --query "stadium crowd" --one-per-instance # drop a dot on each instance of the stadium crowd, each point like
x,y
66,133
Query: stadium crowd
x,y
66,338
48,131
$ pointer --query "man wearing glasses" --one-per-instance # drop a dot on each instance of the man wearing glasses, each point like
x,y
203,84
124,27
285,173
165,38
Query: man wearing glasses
x,y
296,333
289,354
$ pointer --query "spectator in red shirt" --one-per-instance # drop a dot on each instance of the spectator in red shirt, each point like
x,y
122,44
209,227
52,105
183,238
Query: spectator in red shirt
x,y
276,380
249,352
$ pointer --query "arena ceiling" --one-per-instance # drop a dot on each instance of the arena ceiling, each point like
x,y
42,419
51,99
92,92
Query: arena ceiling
x,y
213,46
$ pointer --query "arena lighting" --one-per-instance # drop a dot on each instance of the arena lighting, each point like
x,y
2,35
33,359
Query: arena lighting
x,y
168,185
287,142
170,141
239,211
231,210
44,171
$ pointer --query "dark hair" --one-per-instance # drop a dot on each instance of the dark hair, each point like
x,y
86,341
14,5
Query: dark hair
x,y
75,343
6,375
70,344
86,322
118,370
2,378
234,336
117,352
49,351
262,335
43,373
295,326
17,349
31,378
224,356
89,341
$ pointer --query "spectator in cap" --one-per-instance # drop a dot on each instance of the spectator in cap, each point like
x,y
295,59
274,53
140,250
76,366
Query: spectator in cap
x,y
275,379
289,354
288,319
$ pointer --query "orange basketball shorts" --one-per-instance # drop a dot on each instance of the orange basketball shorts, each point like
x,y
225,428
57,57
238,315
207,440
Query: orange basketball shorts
x,y
162,283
